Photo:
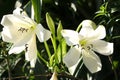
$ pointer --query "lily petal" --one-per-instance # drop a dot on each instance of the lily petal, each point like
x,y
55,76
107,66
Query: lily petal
x,y
6,35
71,37
31,48
73,68
11,31
16,49
42,33
91,61
87,28
17,21
99,33
72,57
89,23
32,63
103,47
17,11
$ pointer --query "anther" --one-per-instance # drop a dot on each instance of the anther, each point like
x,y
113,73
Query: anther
x,y
26,47
22,29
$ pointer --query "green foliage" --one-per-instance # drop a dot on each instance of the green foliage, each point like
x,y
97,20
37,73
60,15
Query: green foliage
x,y
37,9
60,27
50,23
10,64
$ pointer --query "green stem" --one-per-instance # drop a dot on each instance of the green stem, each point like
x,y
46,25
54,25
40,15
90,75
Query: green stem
x,y
47,49
54,43
8,65
42,58
61,52
115,37
115,73
79,27
53,39
37,6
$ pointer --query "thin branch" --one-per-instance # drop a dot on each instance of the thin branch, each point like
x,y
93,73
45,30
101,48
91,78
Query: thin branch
x,y
8,65
48,75
115,73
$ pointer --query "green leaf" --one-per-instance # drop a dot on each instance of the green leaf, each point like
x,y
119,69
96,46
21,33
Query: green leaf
x,y
51,61
50,23
115,64
61,50
64,47
59,53
37,9
59,36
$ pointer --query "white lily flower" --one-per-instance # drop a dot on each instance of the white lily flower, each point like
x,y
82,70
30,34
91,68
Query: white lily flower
x,y
20,30
86,43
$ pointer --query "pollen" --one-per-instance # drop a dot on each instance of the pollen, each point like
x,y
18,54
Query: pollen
x,y
83,42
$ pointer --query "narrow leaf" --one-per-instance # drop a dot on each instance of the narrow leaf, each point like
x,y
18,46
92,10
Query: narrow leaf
x,y
50,23
59,36
37,9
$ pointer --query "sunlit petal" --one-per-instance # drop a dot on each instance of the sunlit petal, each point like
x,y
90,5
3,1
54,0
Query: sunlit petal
x,y
71,37
91,61
16,49
17,21
31,54
103,47
73,68
87,28
32,63
42,33
89,23
72,57
13,32
6,35
17,11
99,33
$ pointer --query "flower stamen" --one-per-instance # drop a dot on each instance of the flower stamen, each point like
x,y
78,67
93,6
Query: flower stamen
x,y
89,47
26,47
22,29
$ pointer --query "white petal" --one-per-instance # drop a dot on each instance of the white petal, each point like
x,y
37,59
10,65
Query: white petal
x,y
42,33
16,49
11,31
54,76
18,4
71,37
31,54
88,23
6,35
18,10
99,33
91,61
17,21
72,57
103,47
32,63
87,28
73,68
